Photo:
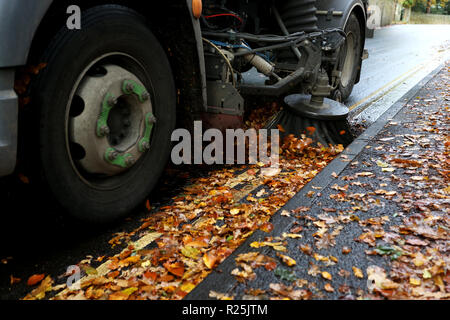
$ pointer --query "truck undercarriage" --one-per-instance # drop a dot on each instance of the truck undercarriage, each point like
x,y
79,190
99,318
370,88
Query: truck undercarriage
x,y
105,110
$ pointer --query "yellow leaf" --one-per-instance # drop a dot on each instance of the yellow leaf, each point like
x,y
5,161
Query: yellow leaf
x,y
235,211
287,260
255,245
327,275
419,260
190,252
358,273
415,282
292,236
187,287
427,274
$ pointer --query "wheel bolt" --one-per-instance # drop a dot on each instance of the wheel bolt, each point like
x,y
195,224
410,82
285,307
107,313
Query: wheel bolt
x,y
112,155
129,87
145,96
104,130
112,102
152,119
146,145
129,161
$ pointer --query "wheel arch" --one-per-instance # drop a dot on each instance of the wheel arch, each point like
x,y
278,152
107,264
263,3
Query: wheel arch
x,y
335,14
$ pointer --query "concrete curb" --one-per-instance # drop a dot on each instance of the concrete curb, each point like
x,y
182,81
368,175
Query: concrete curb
x,y
221,279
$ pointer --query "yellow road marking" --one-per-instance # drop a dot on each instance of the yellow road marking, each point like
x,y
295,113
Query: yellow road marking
x,y
401,77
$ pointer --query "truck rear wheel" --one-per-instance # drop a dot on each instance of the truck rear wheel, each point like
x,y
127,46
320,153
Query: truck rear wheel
x,y
350,57
107,103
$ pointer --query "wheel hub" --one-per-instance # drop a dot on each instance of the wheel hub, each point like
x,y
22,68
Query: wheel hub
x,y
114,128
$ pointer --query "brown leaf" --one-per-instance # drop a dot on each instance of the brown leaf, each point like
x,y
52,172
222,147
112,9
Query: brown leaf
x,y
329,288
346,250
177,269
210,259
35,279
14,280
287,260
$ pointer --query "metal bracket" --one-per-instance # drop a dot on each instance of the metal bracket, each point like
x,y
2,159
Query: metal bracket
x,y
150,121
102,123
132,87
113,157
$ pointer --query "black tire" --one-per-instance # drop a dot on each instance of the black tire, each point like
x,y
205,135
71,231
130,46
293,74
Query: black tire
x,y
105,29
350,60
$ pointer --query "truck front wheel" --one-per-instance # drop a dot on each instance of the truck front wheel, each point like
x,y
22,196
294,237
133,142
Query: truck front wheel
x,y
107,102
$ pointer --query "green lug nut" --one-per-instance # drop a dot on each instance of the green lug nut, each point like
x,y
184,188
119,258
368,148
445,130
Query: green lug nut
x,y
150,121
109,102
132,87
120,160
111,155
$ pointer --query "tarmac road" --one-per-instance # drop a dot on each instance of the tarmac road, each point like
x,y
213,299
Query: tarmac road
x,y
399,57
39,241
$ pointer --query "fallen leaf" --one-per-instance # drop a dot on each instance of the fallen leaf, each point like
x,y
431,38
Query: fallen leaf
x,y
287,260
177,269
35,279
210,259
327,276
358,273
14,280
329,288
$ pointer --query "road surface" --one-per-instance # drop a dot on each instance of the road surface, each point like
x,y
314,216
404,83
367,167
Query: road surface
x,y
399,57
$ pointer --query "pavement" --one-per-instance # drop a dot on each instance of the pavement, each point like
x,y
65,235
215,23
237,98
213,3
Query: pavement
x,y
363,188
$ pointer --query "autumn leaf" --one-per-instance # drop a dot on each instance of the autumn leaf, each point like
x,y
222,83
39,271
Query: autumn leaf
x,y
327,276
151,275
287,260
190,252
187,287
177,269
210,259
415,282
267,227
311,130
235,211
306,249
358,273
329,288
346,250
35,279
14,280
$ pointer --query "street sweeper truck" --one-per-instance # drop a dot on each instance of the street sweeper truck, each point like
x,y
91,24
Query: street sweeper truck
x,y
91,90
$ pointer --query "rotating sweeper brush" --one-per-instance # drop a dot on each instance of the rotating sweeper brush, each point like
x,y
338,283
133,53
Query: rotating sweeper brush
x,y
322,119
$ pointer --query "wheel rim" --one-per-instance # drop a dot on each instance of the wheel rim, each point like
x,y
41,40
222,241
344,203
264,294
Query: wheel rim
x,y
349,61
110,121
